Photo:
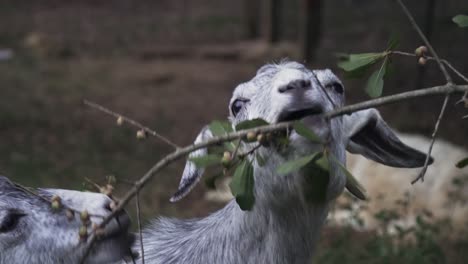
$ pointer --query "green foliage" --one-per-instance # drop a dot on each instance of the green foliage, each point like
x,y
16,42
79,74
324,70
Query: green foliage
x,y
221,128
242,185
352,185
358,61
294,165
304,131
260,160
375,82
248,124
356,66
205,161
461,20
462,163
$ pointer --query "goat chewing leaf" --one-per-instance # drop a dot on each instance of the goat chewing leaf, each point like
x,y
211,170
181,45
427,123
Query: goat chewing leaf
x,y
306,132
461,20
375,83
242,185
294,165
251,124
357,61
462,163
205,161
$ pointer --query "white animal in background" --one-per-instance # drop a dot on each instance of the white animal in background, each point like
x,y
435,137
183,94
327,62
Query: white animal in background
x,y
444,192
284,224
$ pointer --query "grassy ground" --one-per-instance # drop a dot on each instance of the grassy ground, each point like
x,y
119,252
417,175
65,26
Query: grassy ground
x,y
173,65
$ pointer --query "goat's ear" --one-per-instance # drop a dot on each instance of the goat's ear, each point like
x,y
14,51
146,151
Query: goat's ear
x,y
370,136
192,173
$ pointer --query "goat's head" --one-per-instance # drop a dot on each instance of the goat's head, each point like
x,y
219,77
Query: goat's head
x,y
289,91
31,231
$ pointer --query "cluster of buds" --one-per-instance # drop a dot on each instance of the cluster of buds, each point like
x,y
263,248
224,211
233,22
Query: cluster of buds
x,y
86,221
107,189
83,233
56,203
141,134
227,159
421,52
262,139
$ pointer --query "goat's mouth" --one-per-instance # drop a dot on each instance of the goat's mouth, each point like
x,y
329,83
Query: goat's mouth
x,y
291,115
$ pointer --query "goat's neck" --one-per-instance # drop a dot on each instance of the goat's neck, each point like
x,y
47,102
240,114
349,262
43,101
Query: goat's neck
x,y
282,227
230,235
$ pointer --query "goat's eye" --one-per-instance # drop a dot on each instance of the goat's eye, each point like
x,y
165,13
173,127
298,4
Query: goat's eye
x,y
10,221
337,87
237,105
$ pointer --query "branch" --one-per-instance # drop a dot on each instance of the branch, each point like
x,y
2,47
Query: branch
x,y
433,137
139,228
130,121
451,67
183,151
436,90
425,40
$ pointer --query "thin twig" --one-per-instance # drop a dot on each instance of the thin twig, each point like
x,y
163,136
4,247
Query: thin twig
x,y
433,137
451,67
130,121
139,228
45,199
323,89
436,90
183,151
425,40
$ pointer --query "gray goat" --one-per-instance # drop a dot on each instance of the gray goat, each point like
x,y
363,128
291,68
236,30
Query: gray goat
x,y
32,232
285,222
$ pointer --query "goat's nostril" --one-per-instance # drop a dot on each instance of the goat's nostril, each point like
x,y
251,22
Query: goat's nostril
x,y
108,206
297,84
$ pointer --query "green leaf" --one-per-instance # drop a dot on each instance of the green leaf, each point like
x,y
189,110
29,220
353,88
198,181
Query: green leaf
x,y
375,82
260,160
294,165
306,132
323,163
221,128
462,163
461,20
242,185
317,178
210,182
206,160
352,185
357,61
394,42
251,124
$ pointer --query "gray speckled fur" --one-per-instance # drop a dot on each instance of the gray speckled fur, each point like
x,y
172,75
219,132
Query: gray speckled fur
x,y
45,236
283,225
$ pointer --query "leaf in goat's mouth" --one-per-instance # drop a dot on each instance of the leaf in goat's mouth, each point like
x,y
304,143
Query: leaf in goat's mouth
x,y
299,114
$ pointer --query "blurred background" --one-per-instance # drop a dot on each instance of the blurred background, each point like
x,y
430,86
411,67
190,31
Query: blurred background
x,y
172,65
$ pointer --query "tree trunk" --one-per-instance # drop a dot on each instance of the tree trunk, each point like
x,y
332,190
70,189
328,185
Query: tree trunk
x,y
252,18
309,27
272,20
